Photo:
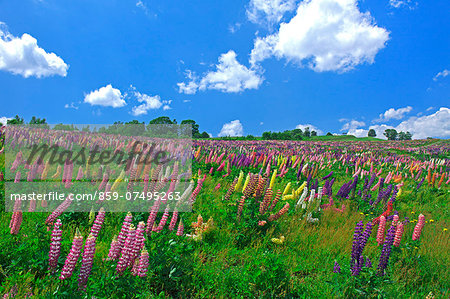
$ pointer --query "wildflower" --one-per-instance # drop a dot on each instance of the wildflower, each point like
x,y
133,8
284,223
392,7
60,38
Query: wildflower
x,y
386,251
278,214
59,210
174,219
86,262
445,229
55,246
163,220
95,229
398,234
418,227
114,250
278,241
180,228
127,250
143,263
368,263
72,257
336,268
122,235
381,228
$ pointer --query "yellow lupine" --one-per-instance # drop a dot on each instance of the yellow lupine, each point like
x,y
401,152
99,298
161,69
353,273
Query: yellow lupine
x,y
45,171
272,180
118,180
289,196
278,241
247,179
300,189
57,173
239,182
287,188
399,192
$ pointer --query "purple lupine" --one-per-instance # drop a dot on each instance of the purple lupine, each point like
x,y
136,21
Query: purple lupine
x,y
174,219
95,229
336,268
356,240
72,257
122,235
59,210
327,176
127,251
386,251
368,263
143,263
55,246
364,237
114,250
86,262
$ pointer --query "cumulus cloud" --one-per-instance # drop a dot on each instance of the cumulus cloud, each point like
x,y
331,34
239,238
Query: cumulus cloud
x,y
106,96
442,74
392,113
230,76
148,103
22,56
433,125
352,125
324,35
403,3
311,128
4,120
71,106
233,128
269,12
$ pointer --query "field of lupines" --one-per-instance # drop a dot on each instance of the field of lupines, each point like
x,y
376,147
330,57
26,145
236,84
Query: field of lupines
x,y
269,219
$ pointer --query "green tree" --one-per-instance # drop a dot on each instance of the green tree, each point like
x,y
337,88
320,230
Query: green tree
x,y
372,133
195,127
329,134
391,134
15,121
307,133
313,133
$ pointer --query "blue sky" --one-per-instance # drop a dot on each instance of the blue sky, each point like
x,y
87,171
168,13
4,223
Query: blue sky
x,y
236,67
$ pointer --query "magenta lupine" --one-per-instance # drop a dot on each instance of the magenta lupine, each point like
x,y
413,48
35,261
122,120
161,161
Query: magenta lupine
x,y
17,177
381,228
152,216
86,262
55,246
163,220
398,234
17,161
280,213
122,235
173,221
139,240
180,229
79,174
418,227
127,251
72,257
143,263
95,229
59,210
114,249
16,221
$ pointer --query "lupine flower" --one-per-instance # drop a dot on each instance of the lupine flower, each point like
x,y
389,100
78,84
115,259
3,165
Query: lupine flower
x,y
240,206
398,234
16,222
280,213
86,262
336,268
368,263
163,220
152,216
114,250
138,242
418,227
72,257
123,234
381,228
231,189
174,219
143,263
386,251
95,229
265,203
127,251
59,210
276,199
180,228
356,243
55,246
395,220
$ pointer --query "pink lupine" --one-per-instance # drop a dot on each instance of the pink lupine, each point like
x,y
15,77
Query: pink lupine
x,y
151,218
163,220
217,187
139,240
95,229
174,219
127,251
143,263
278,214
398,234
418,227
79,174
86,262
16,222
381,228
180,229
55,246
114,249
32,206
17,177
17,161
72,257
59,210
123,234
395,220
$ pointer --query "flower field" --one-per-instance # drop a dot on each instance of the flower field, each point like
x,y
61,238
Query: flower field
x,y
269,219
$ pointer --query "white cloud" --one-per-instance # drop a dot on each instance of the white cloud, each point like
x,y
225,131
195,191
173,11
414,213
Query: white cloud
x,y
442,74
403,3
352,125
234,28
142,6
230,76
186,101
149,103
4,120
261,123
433,125
269,12
106,96
71,106
392,113
311,128
233,128
22,56
430,108
325,35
